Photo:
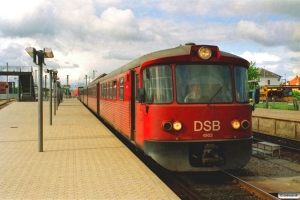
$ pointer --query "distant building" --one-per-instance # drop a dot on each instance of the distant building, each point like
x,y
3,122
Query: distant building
x,y
295,81
268,78
3,87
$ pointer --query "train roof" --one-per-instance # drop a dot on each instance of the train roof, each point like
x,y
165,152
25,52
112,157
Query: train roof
x,y
177,51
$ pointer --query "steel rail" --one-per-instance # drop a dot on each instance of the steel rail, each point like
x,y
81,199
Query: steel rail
x,y
278,140
251,188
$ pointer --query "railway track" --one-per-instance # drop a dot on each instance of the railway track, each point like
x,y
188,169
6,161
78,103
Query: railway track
x,y
289,150
252,189
200,185
284,142
3,104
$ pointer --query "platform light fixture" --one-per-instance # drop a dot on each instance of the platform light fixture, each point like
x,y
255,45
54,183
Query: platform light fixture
x,y
39,59
53,74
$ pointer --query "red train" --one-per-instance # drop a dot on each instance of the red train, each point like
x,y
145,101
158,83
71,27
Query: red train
x,y
77,92
187,107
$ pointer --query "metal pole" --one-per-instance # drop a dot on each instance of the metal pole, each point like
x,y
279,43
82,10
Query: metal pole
x,y
19,89
285,79
7,86
30,85
85,80
40,97
50,97
35,80
45,86
265,76
54,98
57,97
67,90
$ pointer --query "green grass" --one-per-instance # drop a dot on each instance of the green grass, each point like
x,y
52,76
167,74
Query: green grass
x,y
276,105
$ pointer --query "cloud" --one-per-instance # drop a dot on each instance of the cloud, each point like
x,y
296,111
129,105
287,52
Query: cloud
x,y
121,25
26,21
121,54
260,57
103,35
280,33
228,8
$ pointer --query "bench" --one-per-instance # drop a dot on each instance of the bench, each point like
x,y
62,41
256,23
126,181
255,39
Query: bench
x,y
267,148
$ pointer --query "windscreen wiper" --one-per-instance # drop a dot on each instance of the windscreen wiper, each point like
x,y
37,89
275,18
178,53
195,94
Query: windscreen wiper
x,y
215,94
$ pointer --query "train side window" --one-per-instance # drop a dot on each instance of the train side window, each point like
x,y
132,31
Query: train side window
x,y
101,90
121,93
110,90
157,82
136,87
115,89
105,90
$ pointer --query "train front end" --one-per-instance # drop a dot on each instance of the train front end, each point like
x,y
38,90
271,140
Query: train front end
x,y
195,111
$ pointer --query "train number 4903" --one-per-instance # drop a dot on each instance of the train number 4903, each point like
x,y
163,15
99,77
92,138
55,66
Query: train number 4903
x,y
208,135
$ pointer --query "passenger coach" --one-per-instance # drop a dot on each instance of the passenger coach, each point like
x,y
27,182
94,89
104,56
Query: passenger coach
x,y
185,107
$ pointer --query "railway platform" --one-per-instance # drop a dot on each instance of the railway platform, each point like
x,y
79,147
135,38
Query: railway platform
x,y
81,158
282,123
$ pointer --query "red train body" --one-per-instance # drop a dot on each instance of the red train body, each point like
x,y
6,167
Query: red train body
x,y
150,102
77,92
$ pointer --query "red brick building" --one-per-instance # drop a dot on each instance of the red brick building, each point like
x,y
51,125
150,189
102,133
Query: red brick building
x,y
3,87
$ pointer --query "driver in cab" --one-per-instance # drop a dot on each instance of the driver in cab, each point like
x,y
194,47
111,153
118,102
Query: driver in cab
x,y
194,96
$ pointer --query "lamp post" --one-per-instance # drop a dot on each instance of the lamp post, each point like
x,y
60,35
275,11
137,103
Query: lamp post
x,y
67,89
51,72
7,86
35,76
285,79
39,59
58,92
55,78
45,87
85,80
265,75
94,74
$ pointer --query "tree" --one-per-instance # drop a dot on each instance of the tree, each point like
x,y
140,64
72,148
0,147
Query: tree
x,y
253,74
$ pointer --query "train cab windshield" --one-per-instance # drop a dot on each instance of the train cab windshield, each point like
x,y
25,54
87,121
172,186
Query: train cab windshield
x,y
195,84
203,84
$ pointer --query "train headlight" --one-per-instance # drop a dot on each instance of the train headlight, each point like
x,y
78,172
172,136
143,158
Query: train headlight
x,y
235,124
167,126
177,125
204,53
245,124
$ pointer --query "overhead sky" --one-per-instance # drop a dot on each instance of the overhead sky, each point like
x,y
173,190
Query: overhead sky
x,y
103,35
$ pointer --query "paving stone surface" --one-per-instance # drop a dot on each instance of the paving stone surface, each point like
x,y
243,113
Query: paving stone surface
x,y
81,158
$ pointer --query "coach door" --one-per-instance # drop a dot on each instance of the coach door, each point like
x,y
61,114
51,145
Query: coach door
x,y
136,115
132,103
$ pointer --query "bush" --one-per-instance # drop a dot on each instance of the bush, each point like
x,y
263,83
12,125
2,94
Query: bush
x,y
296,94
